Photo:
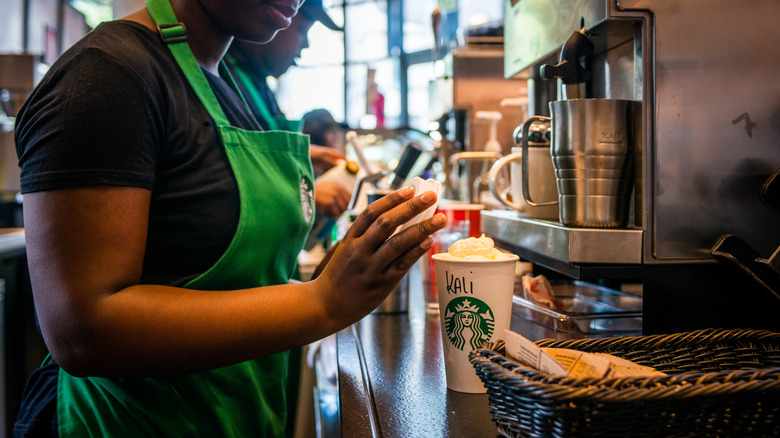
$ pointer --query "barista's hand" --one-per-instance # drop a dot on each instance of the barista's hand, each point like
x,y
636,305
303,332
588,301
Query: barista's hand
x,y
323,158
324,262
331,198
368,263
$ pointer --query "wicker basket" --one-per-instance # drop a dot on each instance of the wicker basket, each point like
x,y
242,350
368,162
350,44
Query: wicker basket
x,y
719,383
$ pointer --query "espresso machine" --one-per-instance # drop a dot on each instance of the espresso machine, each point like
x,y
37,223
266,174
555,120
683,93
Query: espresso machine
x,y
703,76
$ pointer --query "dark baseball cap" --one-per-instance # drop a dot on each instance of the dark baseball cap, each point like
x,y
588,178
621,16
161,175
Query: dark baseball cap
x,y
314,10
320,118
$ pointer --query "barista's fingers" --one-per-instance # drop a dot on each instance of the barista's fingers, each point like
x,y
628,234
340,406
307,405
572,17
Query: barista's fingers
x,y
402,264
399,245
386,223
373,211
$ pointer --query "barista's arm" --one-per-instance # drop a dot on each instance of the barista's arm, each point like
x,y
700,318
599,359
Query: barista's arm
x,y
85,252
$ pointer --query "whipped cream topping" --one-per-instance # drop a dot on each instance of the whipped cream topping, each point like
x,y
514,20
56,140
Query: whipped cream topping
x,y
473,248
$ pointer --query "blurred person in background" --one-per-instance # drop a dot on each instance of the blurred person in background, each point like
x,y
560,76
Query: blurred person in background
x,y
323,129
251,65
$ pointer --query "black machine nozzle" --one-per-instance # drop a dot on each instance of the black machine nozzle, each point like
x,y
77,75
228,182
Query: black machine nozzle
x,y
569,69
405,164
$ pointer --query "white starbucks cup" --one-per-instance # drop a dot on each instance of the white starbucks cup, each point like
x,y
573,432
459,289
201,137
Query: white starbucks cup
x,y
475,306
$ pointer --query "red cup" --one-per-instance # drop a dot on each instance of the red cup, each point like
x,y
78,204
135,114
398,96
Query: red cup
x,y
460,215
461,211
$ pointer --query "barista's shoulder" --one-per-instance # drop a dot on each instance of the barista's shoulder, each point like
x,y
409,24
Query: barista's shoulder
x,y
124,43
120,54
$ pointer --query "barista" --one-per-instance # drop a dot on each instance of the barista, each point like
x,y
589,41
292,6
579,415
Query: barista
x,y
162,227
252,64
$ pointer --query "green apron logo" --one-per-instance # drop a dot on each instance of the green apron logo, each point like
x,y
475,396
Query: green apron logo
x,y
468,322
307,202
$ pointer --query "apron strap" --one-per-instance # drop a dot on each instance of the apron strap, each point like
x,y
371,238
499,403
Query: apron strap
x,y
174,34
254,94
224,72
250,87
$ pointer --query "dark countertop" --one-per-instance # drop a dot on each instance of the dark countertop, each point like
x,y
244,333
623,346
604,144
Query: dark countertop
x,y
12,242
392,383
21,346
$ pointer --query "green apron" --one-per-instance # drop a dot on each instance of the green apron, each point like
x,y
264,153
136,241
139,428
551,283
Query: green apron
x,y
274,176
275,123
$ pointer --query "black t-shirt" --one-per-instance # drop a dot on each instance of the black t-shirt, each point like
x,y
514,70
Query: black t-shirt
x,y
116,109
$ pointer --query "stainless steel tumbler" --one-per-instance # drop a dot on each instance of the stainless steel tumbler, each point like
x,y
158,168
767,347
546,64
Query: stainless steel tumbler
x,y
592,150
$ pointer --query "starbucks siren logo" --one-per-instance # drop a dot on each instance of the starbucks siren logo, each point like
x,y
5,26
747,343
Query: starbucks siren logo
x,y
468,322
307,196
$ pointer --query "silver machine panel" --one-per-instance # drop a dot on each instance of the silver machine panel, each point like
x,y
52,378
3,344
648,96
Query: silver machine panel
x,y
706,74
